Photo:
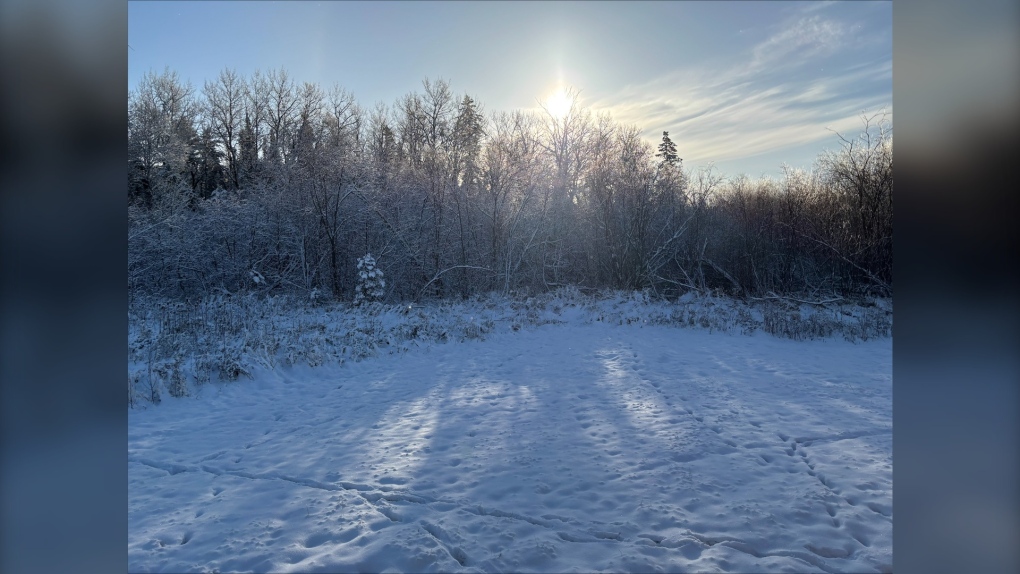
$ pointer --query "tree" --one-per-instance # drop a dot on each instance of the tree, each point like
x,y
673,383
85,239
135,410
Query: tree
x,y
566,141
600,184
224,109
343,120
457,202
860,179
634,209
248,152
161,118
305,148
425,137
370,281
510,168
205,165
667,151
253,140
281,110
464,148
468,130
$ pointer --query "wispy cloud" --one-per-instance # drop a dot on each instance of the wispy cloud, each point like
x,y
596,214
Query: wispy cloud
x,y
805,39
785,91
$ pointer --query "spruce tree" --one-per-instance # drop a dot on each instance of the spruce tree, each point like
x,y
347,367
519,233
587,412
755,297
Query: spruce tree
x,y
248,156
667,150
370,281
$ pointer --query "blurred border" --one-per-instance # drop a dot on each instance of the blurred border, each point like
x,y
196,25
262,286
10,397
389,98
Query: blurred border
x,y
62,320
956,85
62,219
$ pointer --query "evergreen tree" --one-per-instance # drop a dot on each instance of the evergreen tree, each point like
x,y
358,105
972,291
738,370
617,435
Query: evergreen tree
x,y
205,165
667,150
468,130
370,281
248,154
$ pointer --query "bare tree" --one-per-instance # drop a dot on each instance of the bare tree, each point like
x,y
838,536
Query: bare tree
x,y
344,120
860,177
253,147
161,118
510,178
224,109
281,116
289,184
305,148
565,141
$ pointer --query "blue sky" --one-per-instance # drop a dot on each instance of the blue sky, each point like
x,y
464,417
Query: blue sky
x,y
747,86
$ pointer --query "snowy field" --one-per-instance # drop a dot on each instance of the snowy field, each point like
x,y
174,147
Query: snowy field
x,y
576,446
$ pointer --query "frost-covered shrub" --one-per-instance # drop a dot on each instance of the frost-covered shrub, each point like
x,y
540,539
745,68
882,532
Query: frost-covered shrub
x,y
307,343
854,323
264,344
371,284
229,363
224,337
475,328
172,377
746,322
155,396
204,366
781,321
866,323
358,344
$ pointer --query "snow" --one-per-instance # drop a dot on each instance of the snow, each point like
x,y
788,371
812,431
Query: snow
x,y
574,446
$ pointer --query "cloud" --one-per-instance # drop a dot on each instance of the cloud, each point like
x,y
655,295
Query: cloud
x,y
807,78
805,39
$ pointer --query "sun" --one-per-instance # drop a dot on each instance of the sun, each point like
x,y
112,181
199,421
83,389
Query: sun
x,y
558,103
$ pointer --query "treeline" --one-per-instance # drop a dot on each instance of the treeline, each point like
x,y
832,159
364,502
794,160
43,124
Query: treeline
x,y
264,184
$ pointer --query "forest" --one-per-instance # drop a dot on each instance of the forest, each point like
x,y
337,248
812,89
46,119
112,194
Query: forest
x,y
269,185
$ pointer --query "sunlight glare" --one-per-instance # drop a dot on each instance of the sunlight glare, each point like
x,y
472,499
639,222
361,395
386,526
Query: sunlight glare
x,y
558,103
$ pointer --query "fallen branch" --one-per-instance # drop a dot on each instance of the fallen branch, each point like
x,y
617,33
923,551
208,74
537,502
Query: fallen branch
x,y
723,272
438,275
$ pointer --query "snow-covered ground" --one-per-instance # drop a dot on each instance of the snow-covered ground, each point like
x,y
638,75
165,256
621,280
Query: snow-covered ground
x,y
578,446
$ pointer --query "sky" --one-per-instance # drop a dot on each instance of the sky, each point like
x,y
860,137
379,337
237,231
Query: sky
x,y
744,86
